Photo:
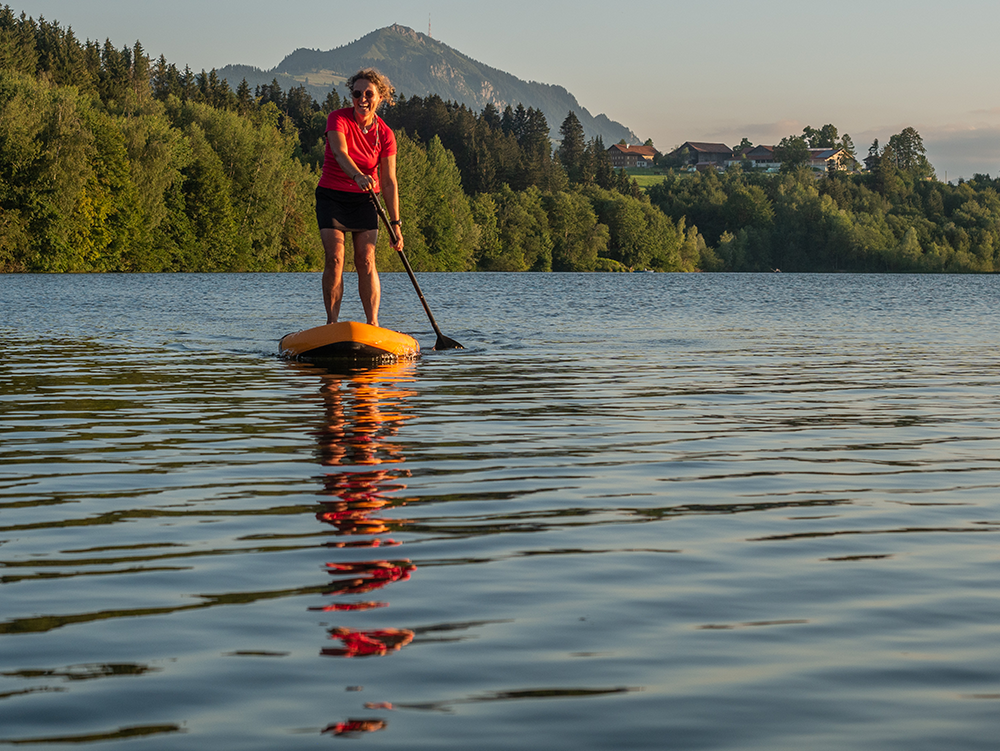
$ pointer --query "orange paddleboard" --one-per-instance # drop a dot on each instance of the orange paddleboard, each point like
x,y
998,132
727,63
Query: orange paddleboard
x,y
348,340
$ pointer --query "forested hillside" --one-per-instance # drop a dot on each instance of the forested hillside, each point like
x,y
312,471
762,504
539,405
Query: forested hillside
x,y
110,161
895,217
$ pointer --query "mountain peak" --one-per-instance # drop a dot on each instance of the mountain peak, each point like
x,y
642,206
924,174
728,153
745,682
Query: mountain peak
x,y
405,31
420,65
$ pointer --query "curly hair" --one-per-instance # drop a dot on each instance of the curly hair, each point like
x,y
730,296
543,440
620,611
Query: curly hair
x,y
379,80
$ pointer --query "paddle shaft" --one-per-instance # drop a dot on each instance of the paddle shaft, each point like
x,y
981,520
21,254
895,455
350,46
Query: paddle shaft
x,y
443,342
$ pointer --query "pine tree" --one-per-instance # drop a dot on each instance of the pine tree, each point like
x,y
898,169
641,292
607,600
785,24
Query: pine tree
x,y
245,101
141,75
300,106
572,147
331,103
114,74
604,173
17,43
188,84
272,93
491,116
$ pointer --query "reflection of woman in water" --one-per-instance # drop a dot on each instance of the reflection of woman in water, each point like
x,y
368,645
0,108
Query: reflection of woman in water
x,y
368,643
351,727
358,496
363,412
360,417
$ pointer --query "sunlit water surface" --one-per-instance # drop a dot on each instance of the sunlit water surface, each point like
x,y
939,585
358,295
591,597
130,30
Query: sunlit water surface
x,y
638,511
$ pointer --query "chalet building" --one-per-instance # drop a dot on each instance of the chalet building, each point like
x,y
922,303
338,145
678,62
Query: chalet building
x,y
701,155
697,155
632,156
827,160
763,157
757,157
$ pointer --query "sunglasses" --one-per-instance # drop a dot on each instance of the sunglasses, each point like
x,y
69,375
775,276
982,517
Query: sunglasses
x,y
368,94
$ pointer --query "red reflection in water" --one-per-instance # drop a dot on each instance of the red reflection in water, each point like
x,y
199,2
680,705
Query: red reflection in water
x,y
383,570
351,727
371,575
368,643
358,496
363,414
351,606
376,543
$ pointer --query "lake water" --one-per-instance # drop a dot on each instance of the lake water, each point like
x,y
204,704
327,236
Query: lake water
x,y
641,511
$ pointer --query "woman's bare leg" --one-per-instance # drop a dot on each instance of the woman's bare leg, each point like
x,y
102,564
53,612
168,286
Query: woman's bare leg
x,y
333,272
369,286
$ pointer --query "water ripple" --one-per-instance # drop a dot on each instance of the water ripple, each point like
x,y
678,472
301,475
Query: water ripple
x,y
633,500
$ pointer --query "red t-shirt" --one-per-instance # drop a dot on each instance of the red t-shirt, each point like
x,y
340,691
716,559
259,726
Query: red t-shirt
x,y
366,149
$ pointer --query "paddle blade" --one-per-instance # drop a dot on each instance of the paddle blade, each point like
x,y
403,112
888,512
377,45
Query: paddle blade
x,y
444,342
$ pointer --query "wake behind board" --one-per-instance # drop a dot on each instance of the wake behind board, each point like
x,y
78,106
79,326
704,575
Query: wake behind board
x,y
348,340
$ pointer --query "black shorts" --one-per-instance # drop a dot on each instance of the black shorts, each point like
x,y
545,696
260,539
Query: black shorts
x,y
355,211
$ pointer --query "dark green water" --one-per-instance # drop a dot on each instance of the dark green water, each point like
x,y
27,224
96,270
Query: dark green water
x,y
639,511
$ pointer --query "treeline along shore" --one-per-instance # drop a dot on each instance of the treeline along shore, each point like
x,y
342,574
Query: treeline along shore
x,y
112,161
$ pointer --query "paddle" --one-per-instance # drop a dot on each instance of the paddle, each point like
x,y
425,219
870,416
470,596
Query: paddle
x,y
442,342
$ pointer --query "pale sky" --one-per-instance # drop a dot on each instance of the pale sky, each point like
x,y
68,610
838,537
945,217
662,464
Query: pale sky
x,y
714,70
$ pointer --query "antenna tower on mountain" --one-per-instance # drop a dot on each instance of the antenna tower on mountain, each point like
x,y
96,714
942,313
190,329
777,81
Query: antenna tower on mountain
x,y
429,25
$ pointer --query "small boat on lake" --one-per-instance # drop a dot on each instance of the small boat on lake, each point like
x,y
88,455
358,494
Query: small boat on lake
x,y
348,340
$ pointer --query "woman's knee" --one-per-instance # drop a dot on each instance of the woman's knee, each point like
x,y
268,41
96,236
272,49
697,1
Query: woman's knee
x,y
333,246
364,254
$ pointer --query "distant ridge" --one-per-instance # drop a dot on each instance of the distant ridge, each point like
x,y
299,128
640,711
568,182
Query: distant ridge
x,y
419,65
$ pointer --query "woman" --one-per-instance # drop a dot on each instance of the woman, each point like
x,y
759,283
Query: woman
x,y
360,158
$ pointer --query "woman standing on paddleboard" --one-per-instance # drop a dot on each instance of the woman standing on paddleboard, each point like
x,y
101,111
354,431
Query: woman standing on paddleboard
x,y
360,157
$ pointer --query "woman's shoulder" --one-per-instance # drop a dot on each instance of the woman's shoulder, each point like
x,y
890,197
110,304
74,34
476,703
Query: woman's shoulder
x,y
382,124
347,113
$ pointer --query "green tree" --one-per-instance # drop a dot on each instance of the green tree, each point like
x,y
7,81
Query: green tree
x,y
826,137
700,198
166,80
885,172
446,224
484,213
572,146
850,162
640,235
245,101
17,43
908,153
525,238
157,154
331,103
65,181
115,75
45,151
110,220
793,153
203,223
747,206
411,168
539,169
257,159
600,159
577,237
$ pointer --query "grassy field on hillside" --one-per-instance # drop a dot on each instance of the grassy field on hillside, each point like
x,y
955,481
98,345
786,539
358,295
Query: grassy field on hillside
x,y
646,176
